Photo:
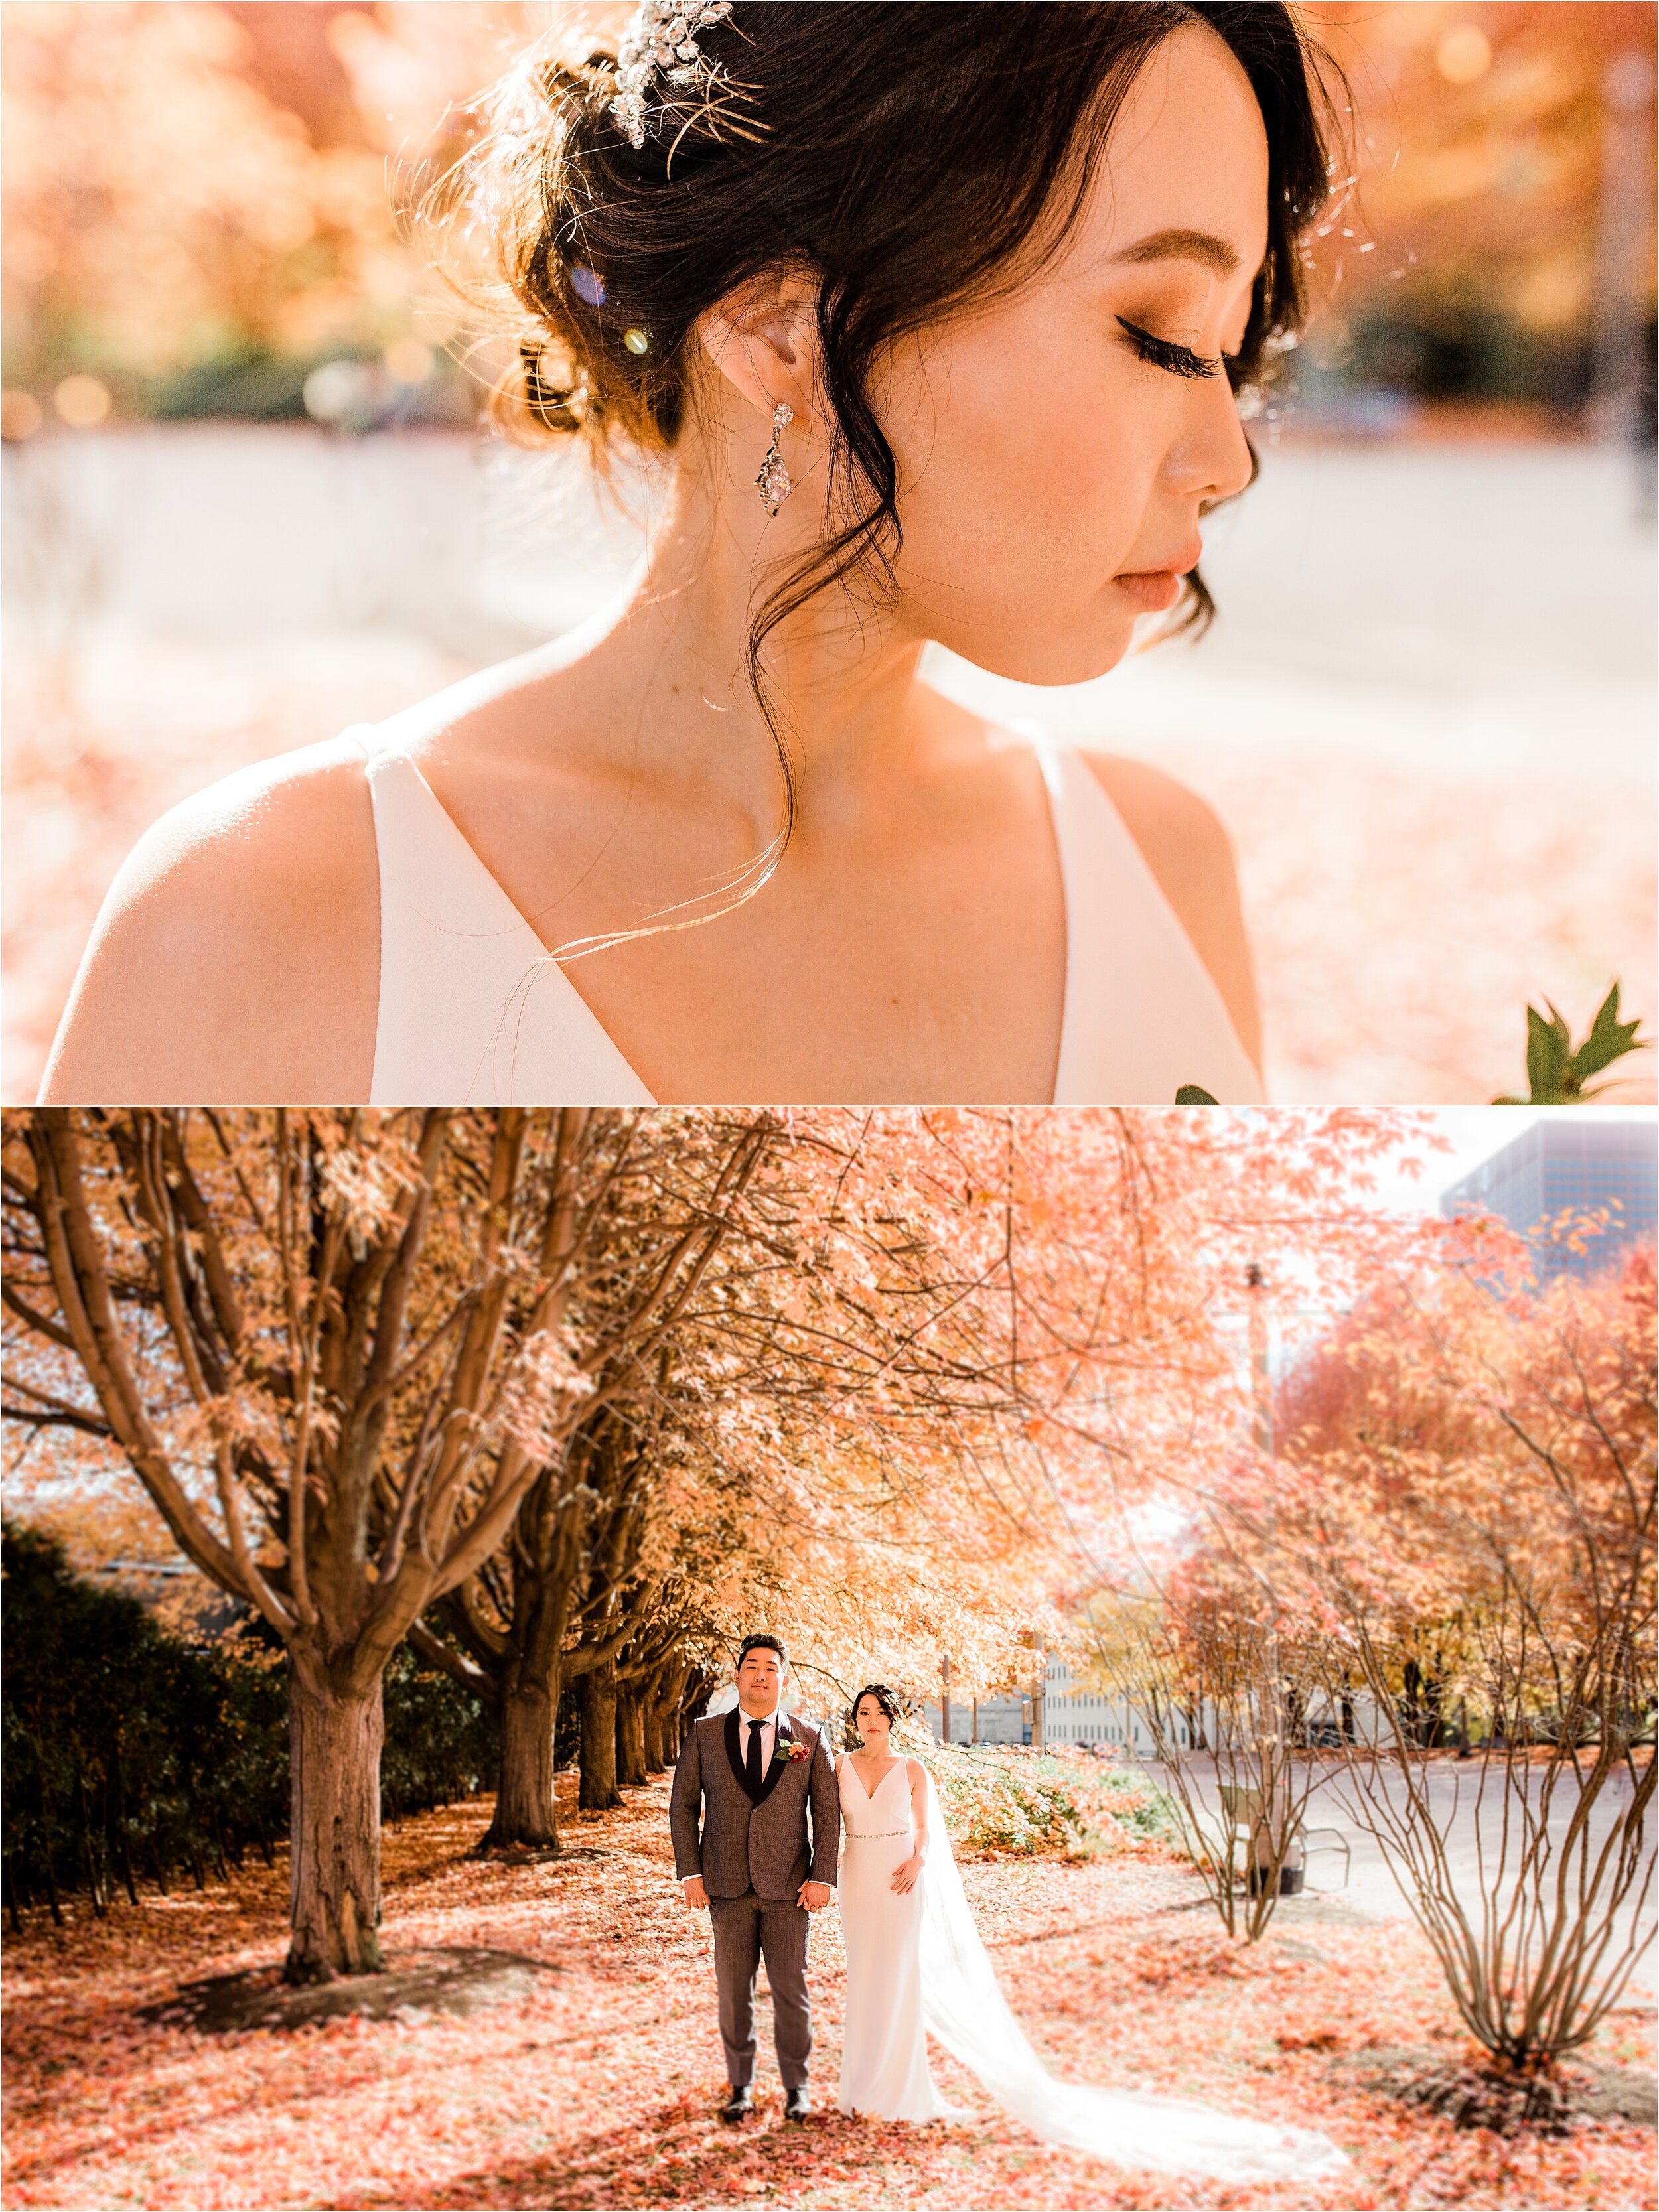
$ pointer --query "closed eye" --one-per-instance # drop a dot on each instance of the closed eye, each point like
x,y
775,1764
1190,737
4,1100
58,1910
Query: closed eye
x,y
1178,360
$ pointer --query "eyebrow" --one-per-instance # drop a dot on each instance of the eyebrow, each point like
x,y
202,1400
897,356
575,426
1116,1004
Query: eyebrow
x,y
1202,245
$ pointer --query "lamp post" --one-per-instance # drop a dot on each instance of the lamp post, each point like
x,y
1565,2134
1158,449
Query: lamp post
x,y
944,1700
1260,1378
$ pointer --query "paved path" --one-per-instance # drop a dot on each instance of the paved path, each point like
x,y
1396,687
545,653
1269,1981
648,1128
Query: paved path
x,y
1454,1789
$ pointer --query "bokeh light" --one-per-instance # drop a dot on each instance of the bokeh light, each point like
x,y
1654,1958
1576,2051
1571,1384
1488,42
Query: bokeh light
x,y
338,392
82,402
20,417
1464,54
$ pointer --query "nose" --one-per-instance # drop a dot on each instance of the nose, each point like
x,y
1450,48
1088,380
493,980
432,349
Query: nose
x,y
1211,459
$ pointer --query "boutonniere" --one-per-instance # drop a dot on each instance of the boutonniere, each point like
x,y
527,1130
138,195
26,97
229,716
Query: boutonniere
x,y
788,1749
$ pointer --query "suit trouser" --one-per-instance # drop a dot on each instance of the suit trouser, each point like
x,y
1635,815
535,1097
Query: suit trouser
x,y
747,1929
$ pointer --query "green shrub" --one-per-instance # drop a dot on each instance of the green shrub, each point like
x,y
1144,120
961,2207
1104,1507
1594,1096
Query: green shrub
x,y
439,1740
132,1756
1008,1800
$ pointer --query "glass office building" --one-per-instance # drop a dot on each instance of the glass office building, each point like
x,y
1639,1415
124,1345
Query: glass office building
x,y
1571,1161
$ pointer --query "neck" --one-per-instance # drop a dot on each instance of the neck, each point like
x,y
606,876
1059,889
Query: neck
x,y
848,704
757,1709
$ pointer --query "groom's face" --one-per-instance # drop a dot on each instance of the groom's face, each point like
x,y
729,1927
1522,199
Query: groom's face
x,y
760,1681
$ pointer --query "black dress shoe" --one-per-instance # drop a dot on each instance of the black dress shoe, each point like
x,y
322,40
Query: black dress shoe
x,y
738,2106
796,2104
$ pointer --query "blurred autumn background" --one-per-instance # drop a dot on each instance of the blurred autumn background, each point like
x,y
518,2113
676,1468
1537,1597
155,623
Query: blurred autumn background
x,y
246,502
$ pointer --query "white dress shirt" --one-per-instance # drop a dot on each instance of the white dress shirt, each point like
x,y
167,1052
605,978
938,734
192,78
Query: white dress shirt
x,y
769,1738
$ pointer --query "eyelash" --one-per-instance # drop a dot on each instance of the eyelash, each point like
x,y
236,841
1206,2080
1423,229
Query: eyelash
x,y
1178,360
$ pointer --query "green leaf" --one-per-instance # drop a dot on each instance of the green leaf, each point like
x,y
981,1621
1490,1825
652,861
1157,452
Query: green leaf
x,y
1556,1071
1193,1094
1549,1053
1607,1016
1597,1053
1609,1038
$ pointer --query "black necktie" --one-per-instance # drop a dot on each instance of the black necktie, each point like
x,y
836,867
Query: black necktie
x,y
751,1764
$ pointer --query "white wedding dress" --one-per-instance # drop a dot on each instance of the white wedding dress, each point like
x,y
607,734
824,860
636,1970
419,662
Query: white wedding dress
x,y
915,1966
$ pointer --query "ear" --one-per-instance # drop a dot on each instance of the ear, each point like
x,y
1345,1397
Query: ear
x,y
763,340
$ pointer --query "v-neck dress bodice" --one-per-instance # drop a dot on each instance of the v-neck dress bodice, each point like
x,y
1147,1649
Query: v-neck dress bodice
x,y
474,1009
883,1811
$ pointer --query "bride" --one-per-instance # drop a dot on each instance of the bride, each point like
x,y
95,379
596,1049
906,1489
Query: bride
x,y
916,1965
932,318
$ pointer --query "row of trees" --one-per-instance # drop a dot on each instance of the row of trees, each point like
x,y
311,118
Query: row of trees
x,y
569,1399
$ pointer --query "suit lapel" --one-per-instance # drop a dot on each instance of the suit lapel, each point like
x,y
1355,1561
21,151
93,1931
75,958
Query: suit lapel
x,y
780,1768
734,1751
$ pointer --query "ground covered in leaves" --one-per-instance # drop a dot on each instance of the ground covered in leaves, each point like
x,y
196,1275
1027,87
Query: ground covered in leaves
x,y
590,2078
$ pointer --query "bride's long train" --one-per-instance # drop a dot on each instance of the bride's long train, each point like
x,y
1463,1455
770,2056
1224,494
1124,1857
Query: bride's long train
x,y
963,2006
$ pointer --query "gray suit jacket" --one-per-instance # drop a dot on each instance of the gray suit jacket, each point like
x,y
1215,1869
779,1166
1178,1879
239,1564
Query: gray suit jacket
x,y
771,1844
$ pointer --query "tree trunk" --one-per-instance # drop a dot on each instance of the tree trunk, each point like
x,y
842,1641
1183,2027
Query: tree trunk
x,y
663,1697
694,1695
121,1837
524,1794
656,1716
631,1771
335,1746
597,1693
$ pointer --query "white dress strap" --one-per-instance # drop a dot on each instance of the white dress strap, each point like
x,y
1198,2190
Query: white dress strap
x,y
1142,1013
473,1009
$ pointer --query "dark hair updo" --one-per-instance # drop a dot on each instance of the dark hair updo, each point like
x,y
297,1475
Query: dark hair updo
x,y
883,1697
903,155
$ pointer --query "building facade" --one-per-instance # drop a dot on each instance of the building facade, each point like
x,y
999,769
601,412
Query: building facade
x,y
1568,1161
1070,1713
1005,1719
1066,1713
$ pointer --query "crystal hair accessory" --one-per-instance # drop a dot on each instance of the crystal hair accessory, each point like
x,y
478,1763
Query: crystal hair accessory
x,y
663,38
774,482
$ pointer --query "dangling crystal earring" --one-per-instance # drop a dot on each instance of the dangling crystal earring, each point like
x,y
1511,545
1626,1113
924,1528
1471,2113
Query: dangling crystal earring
x,y
774,481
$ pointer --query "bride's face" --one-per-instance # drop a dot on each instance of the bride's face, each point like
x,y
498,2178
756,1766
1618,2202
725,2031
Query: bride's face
x,y
1051,475
872,1724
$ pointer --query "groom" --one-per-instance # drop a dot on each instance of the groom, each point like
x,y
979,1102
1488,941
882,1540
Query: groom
x,y
771,1821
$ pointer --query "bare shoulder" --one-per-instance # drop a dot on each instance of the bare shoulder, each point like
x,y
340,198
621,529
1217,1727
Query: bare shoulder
x,y
916,1771
1185,846
236,955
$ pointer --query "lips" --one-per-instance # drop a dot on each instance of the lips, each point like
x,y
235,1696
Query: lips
x,y
1158,589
